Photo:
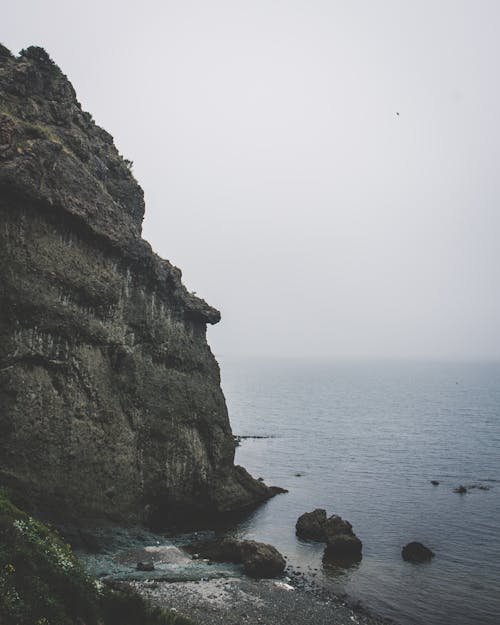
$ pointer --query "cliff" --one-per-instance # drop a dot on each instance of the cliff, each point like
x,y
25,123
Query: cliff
x,y
110,398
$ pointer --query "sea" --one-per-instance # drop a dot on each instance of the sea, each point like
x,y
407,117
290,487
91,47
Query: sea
x,y
363,440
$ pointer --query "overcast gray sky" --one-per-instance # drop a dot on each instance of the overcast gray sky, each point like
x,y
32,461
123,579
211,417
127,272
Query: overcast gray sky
x,y
278,175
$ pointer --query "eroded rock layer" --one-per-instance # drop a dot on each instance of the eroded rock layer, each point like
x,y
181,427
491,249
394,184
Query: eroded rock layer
x,y
110,398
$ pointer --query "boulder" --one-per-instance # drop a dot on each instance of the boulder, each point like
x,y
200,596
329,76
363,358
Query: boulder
x,y
334,526
310,525
342,542
416,552
261,560
258,559
343,547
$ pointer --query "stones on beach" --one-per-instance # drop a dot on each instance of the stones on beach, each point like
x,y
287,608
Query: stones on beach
x,y
416,552
258,559
145,566
342,542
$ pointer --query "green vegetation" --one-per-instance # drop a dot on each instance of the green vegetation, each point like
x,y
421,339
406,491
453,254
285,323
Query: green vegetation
x,y
40,57
43,583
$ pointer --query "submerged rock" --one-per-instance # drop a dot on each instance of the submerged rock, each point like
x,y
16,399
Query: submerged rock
x,y
435,482
110,400
461,490
258,559
416,552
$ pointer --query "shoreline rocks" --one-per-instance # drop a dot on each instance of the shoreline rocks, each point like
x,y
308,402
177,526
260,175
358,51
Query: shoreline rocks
x,y
341,541
259,560
310,525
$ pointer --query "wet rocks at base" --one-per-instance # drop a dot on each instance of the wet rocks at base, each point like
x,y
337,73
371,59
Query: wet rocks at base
x,y
258,559
342,543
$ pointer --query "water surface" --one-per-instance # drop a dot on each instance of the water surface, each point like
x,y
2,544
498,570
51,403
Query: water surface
x,y
366,439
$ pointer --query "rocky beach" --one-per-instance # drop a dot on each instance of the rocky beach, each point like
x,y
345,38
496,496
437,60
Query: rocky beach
x,y
243,601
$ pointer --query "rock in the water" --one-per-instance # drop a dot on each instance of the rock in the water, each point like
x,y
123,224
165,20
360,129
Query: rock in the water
x,y
342,543
258,559
416,552
343,547
461,490
336,526
435,482
310,525
110,398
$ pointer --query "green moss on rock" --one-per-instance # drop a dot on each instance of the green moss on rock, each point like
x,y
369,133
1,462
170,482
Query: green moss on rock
x,y
43,583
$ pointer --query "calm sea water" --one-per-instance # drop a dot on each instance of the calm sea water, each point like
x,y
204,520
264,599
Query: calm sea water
x,y
366,439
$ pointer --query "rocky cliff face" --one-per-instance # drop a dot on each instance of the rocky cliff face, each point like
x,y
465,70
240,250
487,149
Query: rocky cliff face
x,y
110,399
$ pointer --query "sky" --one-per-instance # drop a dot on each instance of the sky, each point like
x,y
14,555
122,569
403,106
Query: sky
x,y
325,173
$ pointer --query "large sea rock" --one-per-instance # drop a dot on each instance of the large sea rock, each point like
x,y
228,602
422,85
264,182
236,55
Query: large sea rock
x,y
110,398
258,559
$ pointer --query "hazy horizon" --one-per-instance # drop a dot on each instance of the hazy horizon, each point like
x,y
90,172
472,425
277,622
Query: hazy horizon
x,y
324,173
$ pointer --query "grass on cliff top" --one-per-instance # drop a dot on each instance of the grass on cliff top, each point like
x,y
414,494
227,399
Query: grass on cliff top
x,y
43,583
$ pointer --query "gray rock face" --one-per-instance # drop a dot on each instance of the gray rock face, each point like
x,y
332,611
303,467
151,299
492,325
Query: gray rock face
x,y
258,559
110,398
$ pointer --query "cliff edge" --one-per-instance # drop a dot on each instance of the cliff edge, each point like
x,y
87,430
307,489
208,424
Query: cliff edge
x,y
110,398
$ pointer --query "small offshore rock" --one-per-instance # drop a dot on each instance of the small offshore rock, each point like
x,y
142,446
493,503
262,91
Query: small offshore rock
x,y
416,552
336,525
435,482
342,542
145,566
310,525
461,490
343,547
479,487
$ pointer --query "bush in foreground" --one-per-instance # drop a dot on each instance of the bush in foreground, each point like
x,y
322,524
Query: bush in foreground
x,y
43,583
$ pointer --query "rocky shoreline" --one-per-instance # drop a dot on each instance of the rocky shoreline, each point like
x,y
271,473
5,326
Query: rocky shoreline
x,y
242,601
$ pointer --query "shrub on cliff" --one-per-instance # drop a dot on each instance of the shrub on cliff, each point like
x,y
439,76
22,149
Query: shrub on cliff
x,y
43,583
